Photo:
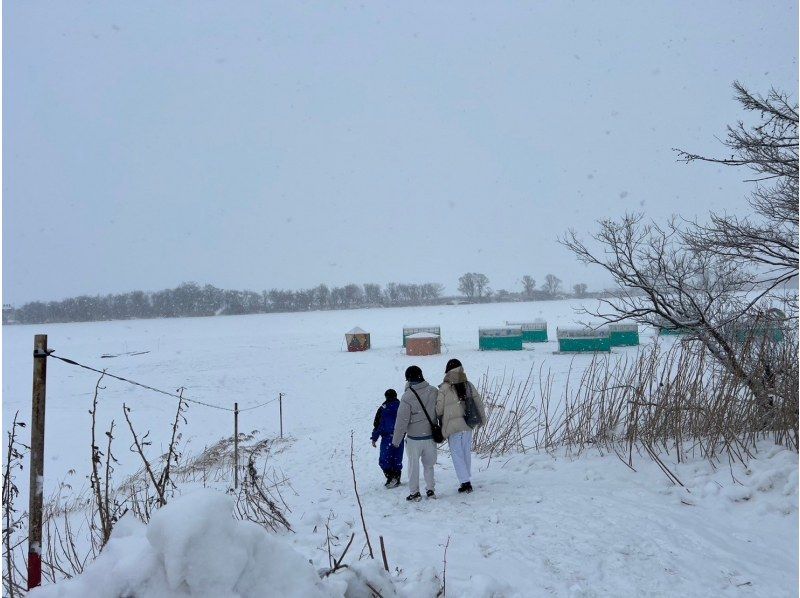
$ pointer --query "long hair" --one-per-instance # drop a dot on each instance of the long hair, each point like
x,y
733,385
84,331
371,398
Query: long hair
x,y
461,387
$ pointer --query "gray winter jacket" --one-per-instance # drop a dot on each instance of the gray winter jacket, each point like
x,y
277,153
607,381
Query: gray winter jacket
x,y
410,418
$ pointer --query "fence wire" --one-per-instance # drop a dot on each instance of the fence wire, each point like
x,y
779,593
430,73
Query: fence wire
x,y
152,388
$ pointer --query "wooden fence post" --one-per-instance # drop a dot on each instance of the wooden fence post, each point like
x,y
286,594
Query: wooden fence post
x,y
36,494
280,407
236,445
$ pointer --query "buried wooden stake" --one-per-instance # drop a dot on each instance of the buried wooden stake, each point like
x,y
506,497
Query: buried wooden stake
x,y
383,554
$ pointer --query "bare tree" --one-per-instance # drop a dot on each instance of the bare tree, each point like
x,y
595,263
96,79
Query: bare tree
x,y
481,285
322,296
431,291
466,285
528,286
579,289
664,283
474,285
411,293
710,279
372,293
392,293
552,285
353,294
767,241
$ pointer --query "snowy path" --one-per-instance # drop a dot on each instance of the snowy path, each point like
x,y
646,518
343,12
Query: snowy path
x,y
537,525
583,527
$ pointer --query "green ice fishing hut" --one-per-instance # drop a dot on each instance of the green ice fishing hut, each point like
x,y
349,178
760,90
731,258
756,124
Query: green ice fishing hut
x,y
669,331
508,338
768,326
624,335
756,333
583,340
409,330
532,332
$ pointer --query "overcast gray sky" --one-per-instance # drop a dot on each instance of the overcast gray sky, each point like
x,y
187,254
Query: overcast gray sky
x,y
264,144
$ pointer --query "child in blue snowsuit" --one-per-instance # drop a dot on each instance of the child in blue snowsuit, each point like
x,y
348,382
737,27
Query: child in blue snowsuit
x,y
391,458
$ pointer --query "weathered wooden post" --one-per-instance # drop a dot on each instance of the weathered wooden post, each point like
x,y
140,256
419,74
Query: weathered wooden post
x,y
36,495
280,408
236,445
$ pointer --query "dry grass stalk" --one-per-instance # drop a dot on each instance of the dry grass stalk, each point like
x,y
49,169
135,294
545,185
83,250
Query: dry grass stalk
x,y
338,563
383,555
676,400
358,498
261,502
443,591
15,451
102,502
163,483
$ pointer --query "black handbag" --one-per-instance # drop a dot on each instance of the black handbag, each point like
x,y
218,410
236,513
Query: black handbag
x,y
436,429
472,416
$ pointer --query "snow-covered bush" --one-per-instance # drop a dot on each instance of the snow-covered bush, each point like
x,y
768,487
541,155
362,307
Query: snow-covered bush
x,y
194,547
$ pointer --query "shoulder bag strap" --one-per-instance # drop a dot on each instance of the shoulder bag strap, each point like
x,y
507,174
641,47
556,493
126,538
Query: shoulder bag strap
x,y
425,411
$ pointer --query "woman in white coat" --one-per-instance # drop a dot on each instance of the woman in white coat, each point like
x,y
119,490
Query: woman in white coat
x,y
454,391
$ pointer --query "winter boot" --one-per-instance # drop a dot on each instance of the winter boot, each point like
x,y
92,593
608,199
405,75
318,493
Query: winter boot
x,y
465,487
416,497
394,481
430,494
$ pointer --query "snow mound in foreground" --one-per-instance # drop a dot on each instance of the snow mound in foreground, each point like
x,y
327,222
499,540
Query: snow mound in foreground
x,y
194,547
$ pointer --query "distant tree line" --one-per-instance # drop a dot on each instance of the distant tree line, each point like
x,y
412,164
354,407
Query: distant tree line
x,y
474,286
190,299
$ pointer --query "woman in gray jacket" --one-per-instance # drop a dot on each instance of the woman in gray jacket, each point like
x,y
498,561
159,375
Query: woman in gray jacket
x,y
450,403
417,408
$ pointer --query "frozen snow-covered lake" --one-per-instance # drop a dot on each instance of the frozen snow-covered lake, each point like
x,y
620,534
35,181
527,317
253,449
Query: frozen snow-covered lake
x,y
535,526
249,360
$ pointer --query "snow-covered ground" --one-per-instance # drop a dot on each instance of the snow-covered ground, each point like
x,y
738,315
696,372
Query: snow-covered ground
x,y
536,525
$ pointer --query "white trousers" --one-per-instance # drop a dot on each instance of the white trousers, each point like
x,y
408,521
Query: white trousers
x,y
420,450
460,450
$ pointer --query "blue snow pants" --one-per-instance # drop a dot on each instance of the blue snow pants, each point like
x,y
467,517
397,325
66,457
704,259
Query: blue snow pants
x,y
391,459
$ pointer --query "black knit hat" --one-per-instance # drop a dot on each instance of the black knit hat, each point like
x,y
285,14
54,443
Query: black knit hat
x,y
390,394
451,365
414,374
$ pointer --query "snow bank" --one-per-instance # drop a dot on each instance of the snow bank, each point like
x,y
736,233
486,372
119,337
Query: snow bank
x,y
194,547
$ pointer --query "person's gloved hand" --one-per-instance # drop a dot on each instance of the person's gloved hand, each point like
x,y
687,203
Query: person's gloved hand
x,y
373,443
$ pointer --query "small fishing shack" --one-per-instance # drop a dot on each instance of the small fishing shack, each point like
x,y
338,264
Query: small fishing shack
x,y
583,340
409,330
532,332
506,338
423,343
357,340
624,335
